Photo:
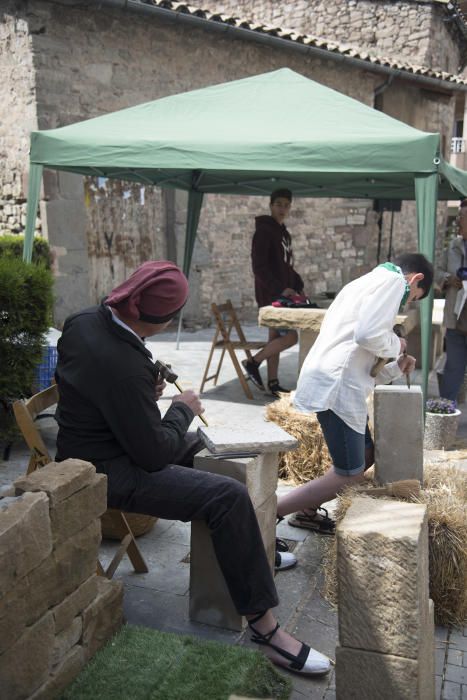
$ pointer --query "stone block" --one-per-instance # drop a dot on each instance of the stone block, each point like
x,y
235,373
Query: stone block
x,y
65,640
398,420
12,618
59,480
266,514
104,617
24,667
258,473
382,568
69,566
306,341
255,439
62,675
74,604
25,537
210,601
367,675
76,512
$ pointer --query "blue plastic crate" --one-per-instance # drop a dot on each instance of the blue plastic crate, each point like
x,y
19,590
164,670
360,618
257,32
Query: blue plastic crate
x,y
45,371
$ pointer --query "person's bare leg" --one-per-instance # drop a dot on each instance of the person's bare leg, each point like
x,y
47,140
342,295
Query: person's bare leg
x,y
276,344
316,492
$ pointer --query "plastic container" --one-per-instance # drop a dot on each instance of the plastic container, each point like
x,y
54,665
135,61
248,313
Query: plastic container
x,y
46,369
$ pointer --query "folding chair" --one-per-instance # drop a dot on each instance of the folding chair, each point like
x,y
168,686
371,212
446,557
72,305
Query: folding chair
x,y
26,413
227,322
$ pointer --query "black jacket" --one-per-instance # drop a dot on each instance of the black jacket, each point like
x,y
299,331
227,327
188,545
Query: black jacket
x,y
107,406
272,260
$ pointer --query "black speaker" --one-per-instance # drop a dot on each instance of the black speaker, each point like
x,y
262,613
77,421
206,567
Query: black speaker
x,y
381,205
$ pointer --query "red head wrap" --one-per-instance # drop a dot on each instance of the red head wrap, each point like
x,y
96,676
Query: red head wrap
x,y
156,290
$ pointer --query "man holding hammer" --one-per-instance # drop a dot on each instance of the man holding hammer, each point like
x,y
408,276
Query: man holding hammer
x,y
107,414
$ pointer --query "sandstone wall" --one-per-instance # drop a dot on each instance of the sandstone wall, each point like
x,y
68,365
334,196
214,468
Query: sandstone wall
x,y
87,62
18,115
54,611
407,29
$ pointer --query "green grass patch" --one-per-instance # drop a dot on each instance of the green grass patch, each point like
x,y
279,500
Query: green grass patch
x,y
145,664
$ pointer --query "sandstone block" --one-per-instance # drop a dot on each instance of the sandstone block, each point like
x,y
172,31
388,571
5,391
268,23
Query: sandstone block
x,y
257,439
65,640
306,319
382,568
398,420
367,675
62,675
12,618
25,666
258,473
266,514
104,617
25,537
76,512
74,604
210,601
307,339
72,563
59,480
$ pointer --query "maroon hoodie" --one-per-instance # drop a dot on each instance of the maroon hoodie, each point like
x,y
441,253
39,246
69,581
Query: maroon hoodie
x,y
272,258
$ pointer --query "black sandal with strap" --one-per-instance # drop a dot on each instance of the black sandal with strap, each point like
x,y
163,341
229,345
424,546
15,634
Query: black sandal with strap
x,y
306,661
324,525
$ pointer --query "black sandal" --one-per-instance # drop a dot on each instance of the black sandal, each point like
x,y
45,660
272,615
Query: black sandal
x,y
306,661
324,525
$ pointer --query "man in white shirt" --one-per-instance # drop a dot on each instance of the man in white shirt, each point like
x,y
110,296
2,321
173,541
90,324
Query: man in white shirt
x,y
335,379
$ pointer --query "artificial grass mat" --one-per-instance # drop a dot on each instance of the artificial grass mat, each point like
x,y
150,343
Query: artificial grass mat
x,y
146,664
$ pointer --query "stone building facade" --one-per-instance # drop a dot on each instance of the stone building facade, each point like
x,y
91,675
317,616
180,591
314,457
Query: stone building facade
x,y
69,60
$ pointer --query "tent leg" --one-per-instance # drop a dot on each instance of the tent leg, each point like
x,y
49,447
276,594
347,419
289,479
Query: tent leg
x,y
426,192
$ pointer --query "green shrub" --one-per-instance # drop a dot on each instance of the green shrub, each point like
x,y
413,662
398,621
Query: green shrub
x,y
12,244
25,316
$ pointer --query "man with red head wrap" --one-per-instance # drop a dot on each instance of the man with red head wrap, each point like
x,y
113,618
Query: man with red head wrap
x,y
108,415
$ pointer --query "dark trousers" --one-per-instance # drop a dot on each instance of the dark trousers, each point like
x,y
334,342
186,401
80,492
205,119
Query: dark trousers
x,y
178,492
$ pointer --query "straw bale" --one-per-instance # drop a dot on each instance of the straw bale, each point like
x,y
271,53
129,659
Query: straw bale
x,y
444,493
311,458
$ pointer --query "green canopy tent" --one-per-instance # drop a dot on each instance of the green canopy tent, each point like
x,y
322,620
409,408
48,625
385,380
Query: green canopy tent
x,y
251,136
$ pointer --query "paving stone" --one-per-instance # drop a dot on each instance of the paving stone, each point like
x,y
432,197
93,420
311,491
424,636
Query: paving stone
x,y
456,674
455,657
451,691
438,685
458,640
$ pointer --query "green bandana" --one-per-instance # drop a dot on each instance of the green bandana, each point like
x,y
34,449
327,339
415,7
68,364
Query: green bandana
x,y
395,268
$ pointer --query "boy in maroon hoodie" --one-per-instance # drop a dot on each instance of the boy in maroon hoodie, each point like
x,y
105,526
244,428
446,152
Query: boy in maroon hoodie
x,y
275,277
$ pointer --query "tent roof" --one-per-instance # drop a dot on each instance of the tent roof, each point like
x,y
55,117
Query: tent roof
x,y
250,136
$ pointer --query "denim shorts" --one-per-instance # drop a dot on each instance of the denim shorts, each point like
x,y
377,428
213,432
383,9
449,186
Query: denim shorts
x,y
345,445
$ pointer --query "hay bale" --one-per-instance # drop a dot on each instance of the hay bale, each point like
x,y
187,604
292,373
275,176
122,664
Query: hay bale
x,y
311,458
444,493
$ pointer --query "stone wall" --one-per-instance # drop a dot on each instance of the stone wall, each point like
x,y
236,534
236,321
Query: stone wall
x,y
18,116
413,30
54,611
87,62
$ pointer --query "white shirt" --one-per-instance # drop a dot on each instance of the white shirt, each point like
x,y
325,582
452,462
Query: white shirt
x,y
356,329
